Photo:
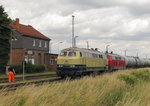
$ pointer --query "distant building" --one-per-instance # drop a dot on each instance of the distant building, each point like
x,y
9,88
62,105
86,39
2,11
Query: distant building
x,y
28,44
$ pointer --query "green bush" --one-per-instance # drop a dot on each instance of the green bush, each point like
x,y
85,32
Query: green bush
x,y
113,97
39,68
30,68
18,69
131,80
142,75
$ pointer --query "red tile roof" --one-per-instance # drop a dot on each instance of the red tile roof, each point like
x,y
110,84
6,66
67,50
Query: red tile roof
x,y
27,30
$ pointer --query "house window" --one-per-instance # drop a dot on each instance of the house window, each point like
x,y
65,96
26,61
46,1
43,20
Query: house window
x,y
45,44
52,61
32,60
33,42
40,45
26,59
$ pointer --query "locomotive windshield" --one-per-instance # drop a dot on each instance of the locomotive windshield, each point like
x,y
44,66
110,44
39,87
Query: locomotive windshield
x,y
72,54
63,54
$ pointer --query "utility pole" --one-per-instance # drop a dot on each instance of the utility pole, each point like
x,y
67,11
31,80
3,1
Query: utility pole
x,y
87,45
73,31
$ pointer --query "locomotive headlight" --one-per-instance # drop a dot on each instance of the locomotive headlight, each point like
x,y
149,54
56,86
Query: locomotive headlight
x,y
72,66
60,66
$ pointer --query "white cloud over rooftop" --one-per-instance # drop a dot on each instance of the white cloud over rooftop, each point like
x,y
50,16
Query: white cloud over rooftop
x,y
124,25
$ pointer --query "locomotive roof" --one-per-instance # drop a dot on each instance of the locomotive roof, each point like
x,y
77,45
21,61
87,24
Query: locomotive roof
x,y
83,50
110,54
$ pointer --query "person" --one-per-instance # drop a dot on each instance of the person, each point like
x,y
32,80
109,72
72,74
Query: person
x,y
11,77
13,70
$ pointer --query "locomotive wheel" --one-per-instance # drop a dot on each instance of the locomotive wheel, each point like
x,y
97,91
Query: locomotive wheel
x,y
62,77
95,73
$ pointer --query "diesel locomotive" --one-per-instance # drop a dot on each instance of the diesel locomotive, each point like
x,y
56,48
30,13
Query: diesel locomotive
x,y
81,61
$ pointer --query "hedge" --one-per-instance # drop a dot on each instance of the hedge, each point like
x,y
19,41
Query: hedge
x,y
29,68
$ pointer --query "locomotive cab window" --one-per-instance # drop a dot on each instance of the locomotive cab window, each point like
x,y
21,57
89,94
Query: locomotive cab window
x,y
72,54
80,54
63,54
100,56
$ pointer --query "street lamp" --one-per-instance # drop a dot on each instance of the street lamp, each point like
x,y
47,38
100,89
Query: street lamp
x,y
54,44
58,46
50,47
125,52
107,48
11,46
73,30
75,40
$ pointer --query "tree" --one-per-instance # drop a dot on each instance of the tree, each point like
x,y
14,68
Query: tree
x,y
5,32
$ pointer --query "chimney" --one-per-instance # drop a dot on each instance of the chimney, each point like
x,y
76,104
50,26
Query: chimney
x,y
17,21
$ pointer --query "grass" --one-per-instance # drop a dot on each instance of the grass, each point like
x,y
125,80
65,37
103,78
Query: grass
x,y
121,88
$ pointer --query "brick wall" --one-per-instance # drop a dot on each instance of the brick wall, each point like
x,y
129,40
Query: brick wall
x,y
17,56
40,57
51,62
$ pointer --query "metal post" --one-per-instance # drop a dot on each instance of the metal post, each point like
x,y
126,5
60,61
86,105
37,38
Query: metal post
x,y
73,31
107,48
50,47
58,46
23,64
75,41
125,52
11,48
23,69
87,45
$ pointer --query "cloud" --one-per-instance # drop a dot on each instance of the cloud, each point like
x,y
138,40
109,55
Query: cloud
x,y
124,23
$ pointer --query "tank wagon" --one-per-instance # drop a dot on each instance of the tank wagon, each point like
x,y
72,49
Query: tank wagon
x,y
81,61
135,62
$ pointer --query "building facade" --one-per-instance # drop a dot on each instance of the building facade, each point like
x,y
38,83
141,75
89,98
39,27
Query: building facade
x,y
51,62
28,45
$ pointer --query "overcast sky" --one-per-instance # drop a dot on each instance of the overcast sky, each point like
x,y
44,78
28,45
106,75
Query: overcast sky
x,y
122,24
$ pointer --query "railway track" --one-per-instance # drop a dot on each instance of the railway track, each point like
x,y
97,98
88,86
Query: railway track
x,y
15,85
29,77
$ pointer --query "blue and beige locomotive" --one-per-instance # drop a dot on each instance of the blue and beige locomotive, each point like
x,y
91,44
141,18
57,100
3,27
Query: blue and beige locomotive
x,y
80,61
